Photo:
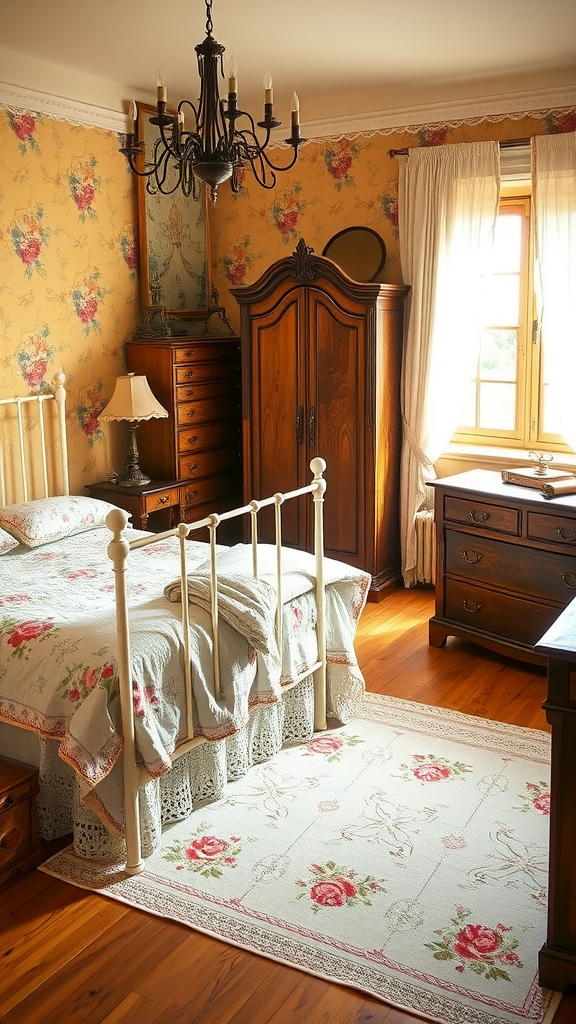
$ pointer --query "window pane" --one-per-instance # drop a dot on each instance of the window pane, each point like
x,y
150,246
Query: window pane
x,y
498,355
550,421
502,299
497,406
507,244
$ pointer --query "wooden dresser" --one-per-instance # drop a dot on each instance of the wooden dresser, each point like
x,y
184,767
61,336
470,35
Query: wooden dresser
x,y
197,379
20,848
506,562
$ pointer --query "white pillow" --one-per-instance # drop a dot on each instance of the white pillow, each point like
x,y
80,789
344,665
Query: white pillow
x,y
38,522
7,542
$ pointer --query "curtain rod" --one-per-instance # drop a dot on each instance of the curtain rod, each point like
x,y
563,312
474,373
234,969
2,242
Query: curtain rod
x,y
505,144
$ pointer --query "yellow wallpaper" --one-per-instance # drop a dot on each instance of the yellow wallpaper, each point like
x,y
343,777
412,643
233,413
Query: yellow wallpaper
x,y
68,285
334,185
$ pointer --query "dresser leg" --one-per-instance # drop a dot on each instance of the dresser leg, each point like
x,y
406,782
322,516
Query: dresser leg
x,y
437,634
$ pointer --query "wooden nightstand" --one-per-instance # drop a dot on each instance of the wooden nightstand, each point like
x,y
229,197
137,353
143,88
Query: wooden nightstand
x,y
143,500
20,848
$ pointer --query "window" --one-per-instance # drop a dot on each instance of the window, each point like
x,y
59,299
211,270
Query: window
x,y
507,402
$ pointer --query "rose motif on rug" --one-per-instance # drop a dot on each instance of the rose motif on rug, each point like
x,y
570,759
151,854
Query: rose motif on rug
x,y
331,746
486,951
332,885
207,854
430,768
536,796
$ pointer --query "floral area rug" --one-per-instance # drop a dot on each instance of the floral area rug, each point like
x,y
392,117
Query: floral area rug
x,y
404,854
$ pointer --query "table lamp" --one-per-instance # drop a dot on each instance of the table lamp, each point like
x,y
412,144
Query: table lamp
x,y
133,401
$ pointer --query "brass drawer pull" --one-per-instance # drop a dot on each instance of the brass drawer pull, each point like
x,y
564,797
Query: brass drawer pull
x,y
189,373
193,466
163,499
471,557
190,495
569,580
567,535
10,839
8,802
189,353
190,415
192,439
471,606
478,517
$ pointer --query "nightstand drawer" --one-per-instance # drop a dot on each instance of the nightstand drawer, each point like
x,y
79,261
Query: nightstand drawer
x,y
525,570
204,372
161,499
482,515
555,529
489,611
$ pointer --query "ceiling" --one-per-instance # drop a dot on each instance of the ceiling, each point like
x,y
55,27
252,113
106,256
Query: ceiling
x,y
340,56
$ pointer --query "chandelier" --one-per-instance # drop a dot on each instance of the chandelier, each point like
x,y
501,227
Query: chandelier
x,y
218,146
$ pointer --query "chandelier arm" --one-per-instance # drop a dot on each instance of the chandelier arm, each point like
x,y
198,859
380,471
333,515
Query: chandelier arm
x,y
250,149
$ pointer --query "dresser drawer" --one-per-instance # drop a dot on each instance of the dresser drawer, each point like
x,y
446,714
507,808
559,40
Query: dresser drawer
x,y
207,435
15,838
203,372
198,464
552,528
209,489
208,352
482,515
489,611
222,389
207,411
513,566
164,499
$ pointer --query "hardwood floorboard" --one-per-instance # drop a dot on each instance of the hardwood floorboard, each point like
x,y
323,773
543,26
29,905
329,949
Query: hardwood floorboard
x,y
68,956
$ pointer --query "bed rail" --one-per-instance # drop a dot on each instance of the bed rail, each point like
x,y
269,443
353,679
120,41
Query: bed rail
x,y
23,460
119,549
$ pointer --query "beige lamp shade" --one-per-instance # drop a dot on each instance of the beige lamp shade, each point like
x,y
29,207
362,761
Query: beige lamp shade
x,y
132,400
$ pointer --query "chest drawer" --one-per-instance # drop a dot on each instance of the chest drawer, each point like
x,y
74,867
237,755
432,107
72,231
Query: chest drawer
x,y
199,353
209,489
222,389
207,435
521,569
482,515
20,849
552,528
502,615
203,372
198,464
209,410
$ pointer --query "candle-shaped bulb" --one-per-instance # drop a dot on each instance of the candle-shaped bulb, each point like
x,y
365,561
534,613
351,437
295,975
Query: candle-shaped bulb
x,y
133,114
181,118
295,110
232,75
268,94
161,88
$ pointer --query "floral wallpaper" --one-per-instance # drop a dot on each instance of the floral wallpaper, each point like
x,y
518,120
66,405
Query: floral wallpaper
x,y
68,237
336,183
68,288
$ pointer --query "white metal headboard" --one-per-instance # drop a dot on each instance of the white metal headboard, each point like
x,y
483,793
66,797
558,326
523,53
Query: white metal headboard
x,y
23,459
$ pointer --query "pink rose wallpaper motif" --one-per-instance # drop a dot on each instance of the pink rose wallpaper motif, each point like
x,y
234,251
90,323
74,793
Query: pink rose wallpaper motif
x,y
332,885
28,237
428,768
33,360
86,296
83,185
285,212
24,126
536,796
81,679
389,204
88,410
208,855
338,159
486,951
432,136
558,123
237,261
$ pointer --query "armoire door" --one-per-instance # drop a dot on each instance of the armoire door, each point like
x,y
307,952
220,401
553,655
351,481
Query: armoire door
x,y
336,355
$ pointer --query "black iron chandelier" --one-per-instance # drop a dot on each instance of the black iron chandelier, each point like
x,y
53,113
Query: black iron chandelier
x,y
218,147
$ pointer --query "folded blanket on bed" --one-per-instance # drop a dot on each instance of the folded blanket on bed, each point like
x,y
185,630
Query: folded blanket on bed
x,y
245,603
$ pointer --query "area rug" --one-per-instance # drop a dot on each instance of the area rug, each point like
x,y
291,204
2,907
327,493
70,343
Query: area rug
x,y
404,854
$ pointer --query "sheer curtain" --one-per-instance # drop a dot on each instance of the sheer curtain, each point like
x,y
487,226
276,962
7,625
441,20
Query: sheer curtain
x,y
554,191
447,205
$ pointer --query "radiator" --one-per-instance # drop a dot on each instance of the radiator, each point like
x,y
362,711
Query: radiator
x,y
425,547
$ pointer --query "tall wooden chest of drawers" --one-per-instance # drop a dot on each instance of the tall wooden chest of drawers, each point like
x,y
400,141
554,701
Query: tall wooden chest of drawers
x,y
506,562
20,848
197,379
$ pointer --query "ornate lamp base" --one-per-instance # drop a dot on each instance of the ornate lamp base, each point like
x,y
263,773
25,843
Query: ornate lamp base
x,y
133,475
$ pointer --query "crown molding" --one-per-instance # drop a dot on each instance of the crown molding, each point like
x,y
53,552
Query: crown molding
x,y
15,99
453,113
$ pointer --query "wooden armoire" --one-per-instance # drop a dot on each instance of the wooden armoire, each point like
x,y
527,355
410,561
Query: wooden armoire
x,y
321,360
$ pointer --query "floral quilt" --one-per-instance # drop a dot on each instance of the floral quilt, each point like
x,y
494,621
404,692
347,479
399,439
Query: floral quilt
x,y
58,665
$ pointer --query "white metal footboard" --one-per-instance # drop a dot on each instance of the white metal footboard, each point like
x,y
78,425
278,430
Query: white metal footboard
x,y
118,551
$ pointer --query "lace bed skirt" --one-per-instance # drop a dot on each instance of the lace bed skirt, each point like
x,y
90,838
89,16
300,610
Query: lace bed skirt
x,y
195,778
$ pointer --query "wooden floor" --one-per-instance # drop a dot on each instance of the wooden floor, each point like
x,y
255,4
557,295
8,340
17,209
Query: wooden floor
x,y
70,957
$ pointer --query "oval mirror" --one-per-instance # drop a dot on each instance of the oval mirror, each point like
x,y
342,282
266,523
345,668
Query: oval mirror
x,y
358,251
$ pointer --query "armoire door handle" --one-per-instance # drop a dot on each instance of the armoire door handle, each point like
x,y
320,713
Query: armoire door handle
x,y
299,425
312,427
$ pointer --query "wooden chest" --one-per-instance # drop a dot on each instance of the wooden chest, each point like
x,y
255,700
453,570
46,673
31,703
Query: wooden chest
x,y
20,848
506,562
